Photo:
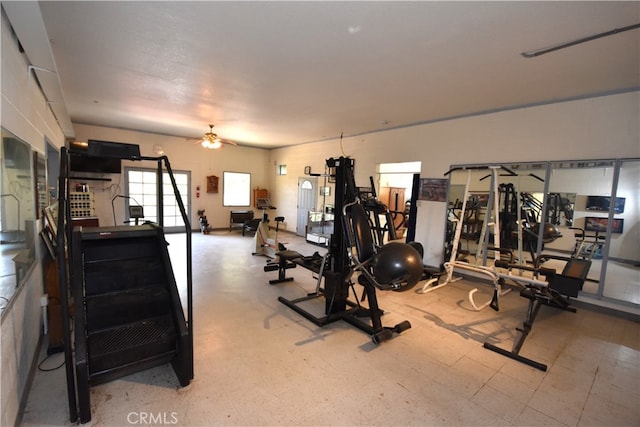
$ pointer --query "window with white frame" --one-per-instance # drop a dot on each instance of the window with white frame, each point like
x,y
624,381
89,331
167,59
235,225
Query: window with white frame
x,y
141,189
236,189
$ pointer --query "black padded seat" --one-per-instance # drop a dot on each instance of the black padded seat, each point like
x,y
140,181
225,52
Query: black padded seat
x,y
289,255
285,261
251,225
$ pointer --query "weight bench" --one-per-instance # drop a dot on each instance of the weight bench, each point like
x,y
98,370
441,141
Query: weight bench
x,y
568,283
238,219
285,261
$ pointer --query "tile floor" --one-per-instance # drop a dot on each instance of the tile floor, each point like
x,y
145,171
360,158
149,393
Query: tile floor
x,y
257,362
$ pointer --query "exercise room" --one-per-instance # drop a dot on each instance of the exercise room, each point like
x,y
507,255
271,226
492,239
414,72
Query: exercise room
x,y
320,213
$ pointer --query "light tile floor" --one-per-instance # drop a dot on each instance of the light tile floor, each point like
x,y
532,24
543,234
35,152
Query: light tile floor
x,y
257,362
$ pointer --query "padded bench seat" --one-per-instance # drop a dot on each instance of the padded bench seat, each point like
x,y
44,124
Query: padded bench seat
x,y
237,219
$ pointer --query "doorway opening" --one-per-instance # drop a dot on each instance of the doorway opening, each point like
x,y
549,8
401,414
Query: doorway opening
x,y
395,182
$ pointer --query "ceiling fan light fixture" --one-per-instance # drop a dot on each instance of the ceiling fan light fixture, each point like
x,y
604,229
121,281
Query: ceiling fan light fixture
x,y
211,143
210,140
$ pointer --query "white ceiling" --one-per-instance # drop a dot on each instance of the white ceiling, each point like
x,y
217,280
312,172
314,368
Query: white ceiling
x,y
271,74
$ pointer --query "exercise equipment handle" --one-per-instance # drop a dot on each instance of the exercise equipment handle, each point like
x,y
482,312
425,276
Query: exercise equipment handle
x,y
547,272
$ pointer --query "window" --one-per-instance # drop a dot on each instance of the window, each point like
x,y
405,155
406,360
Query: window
x,y
142,190
236,187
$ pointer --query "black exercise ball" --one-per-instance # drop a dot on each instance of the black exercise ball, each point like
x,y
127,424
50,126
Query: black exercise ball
x,y
397,264
550,232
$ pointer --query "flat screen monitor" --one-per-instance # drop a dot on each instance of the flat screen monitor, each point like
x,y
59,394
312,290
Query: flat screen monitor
x,y
80,163
603,203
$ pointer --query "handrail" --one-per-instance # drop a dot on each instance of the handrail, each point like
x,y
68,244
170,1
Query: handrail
x,y
61,255
187,227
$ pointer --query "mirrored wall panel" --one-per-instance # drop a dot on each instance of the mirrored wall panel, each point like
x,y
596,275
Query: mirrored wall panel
x,y
17,218
586,209
623,261
512,193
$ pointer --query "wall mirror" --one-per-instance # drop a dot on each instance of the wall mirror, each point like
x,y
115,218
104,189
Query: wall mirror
x,y
588,209
623,257
17,218
517,186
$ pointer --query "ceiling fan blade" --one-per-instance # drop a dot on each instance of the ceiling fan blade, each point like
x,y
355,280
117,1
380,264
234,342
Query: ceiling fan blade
x,y
227,141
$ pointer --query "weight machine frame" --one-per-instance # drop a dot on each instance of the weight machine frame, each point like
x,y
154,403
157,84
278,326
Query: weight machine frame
x,y
453,263
338,272
548,292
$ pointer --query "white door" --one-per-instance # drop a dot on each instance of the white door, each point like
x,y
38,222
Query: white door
x,y
307,198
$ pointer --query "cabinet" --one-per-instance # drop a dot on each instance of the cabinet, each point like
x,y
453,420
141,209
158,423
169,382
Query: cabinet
x,y
394,198
212,184
259,193
54,306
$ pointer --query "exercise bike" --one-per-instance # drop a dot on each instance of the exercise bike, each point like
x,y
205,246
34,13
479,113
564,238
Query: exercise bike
x,y
264,244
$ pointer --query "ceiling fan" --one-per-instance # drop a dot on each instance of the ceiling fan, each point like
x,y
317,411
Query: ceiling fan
x,y
212,141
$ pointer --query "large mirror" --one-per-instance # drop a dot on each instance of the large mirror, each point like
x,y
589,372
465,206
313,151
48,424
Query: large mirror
x,y
516,190
583,209
623,257
17,218
591,182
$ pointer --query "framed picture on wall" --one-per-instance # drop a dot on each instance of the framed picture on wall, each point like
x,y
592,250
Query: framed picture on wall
x,y
212,184
599,224
433,189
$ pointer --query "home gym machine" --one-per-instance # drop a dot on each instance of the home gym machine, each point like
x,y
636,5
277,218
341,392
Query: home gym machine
x,y
554,291
488,225
352,253
264,244
127,311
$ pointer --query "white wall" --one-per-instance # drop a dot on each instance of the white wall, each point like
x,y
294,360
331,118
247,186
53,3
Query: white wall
x,y
601,127
183,154
24,113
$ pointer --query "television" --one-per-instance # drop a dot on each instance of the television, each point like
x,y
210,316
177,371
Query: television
x,y
603,203
100,156
83,163
118,150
